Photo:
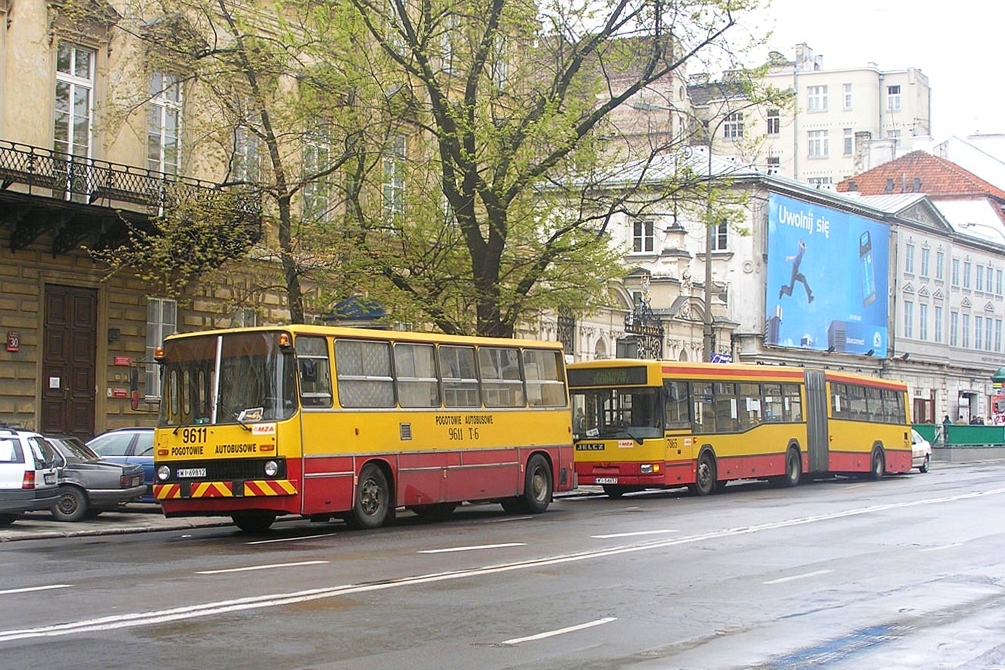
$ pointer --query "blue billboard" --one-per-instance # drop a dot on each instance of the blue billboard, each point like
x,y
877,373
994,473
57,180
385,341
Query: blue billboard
x,y
827,279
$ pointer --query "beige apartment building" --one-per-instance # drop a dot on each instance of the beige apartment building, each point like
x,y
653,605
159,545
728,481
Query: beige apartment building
x,y
835,118
78,346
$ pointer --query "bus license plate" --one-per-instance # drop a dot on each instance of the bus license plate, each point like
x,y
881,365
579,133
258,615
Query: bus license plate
x,y
191,472
607,480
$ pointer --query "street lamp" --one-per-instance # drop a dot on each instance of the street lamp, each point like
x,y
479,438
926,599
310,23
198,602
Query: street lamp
x,y
974,224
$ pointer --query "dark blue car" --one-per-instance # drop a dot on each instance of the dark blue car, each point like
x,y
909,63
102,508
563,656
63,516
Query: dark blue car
x,y
129,445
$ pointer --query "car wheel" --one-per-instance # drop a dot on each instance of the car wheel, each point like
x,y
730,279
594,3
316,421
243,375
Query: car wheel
x,y
71,505
924,466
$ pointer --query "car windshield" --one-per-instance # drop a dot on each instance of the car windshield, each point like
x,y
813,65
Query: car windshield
x,y
233,378
611,413
72,448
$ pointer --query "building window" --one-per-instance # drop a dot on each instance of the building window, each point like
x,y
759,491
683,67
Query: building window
x,y
956,272
978,331
317,191
938,323
987,333
925,253
643,239
895,136
940,264
847,96
162,320
849,141
774,121
908,319
394,178
74,99
909,258
923,322
954,320
893,98
966,274
980,278
965,342
733,127
998,335
720,236
816,99
774,163
818,144
819,181
246,167
164,124
998,282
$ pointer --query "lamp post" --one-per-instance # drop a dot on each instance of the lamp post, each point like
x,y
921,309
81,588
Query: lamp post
x,y
708,327
973,224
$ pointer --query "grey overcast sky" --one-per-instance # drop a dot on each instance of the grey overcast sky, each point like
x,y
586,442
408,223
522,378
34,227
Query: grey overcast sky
x,y
958,44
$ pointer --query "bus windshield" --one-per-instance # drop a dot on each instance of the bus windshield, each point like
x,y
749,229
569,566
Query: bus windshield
x,y
617,413
232,378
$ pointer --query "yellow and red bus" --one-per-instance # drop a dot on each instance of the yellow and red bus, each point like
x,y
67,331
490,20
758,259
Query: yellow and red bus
x,y
650,424
351,423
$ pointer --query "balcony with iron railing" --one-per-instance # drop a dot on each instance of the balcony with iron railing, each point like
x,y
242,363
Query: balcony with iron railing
x,y
87,190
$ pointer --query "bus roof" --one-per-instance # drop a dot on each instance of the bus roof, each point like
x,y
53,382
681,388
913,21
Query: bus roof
x,y
733,371
392,335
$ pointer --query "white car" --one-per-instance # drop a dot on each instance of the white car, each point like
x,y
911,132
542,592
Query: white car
x,y
921,452
28,476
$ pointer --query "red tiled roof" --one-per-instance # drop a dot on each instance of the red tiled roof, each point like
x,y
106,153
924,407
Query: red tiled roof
x,y
921,172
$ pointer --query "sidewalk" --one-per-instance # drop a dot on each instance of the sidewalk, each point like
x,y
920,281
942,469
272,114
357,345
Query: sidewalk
x,y
134,518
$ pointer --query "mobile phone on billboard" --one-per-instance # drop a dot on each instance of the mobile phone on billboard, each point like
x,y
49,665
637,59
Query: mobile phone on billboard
x,y
868,272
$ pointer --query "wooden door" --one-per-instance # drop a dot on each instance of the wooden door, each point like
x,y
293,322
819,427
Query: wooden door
x,y
69,352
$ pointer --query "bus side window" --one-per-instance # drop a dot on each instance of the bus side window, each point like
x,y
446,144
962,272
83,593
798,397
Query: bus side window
x,y
315,372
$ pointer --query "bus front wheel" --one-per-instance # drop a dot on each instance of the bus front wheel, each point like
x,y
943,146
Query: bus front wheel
x,y
254,522
878,465
373,498
704,481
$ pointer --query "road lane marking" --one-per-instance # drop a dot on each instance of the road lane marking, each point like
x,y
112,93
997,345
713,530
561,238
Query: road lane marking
x,y
260,567
29,589
472,548
941,547
508,518
560,631
641,532
793,578
289,539
154,617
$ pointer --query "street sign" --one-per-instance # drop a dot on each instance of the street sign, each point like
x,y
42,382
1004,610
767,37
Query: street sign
x,y
721,358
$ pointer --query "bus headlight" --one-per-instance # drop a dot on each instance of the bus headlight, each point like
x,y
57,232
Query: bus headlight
x,y
271,468
163,473
646,468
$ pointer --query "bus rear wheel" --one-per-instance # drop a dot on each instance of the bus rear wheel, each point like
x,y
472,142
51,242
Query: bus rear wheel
x,y
704,483
254,522
878,468
373,498
793,468
536,489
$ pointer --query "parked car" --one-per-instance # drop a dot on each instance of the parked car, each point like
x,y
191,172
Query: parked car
x,y
129,445
28,477
89,485
921,452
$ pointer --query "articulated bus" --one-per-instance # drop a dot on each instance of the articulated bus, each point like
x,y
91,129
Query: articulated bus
x,y
651,424
350,423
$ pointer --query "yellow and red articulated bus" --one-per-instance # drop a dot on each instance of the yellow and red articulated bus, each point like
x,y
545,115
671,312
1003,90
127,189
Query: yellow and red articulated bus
x,y
349,423
652,424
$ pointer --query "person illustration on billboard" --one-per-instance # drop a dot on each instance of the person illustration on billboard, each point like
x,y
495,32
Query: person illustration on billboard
x,y
797,276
